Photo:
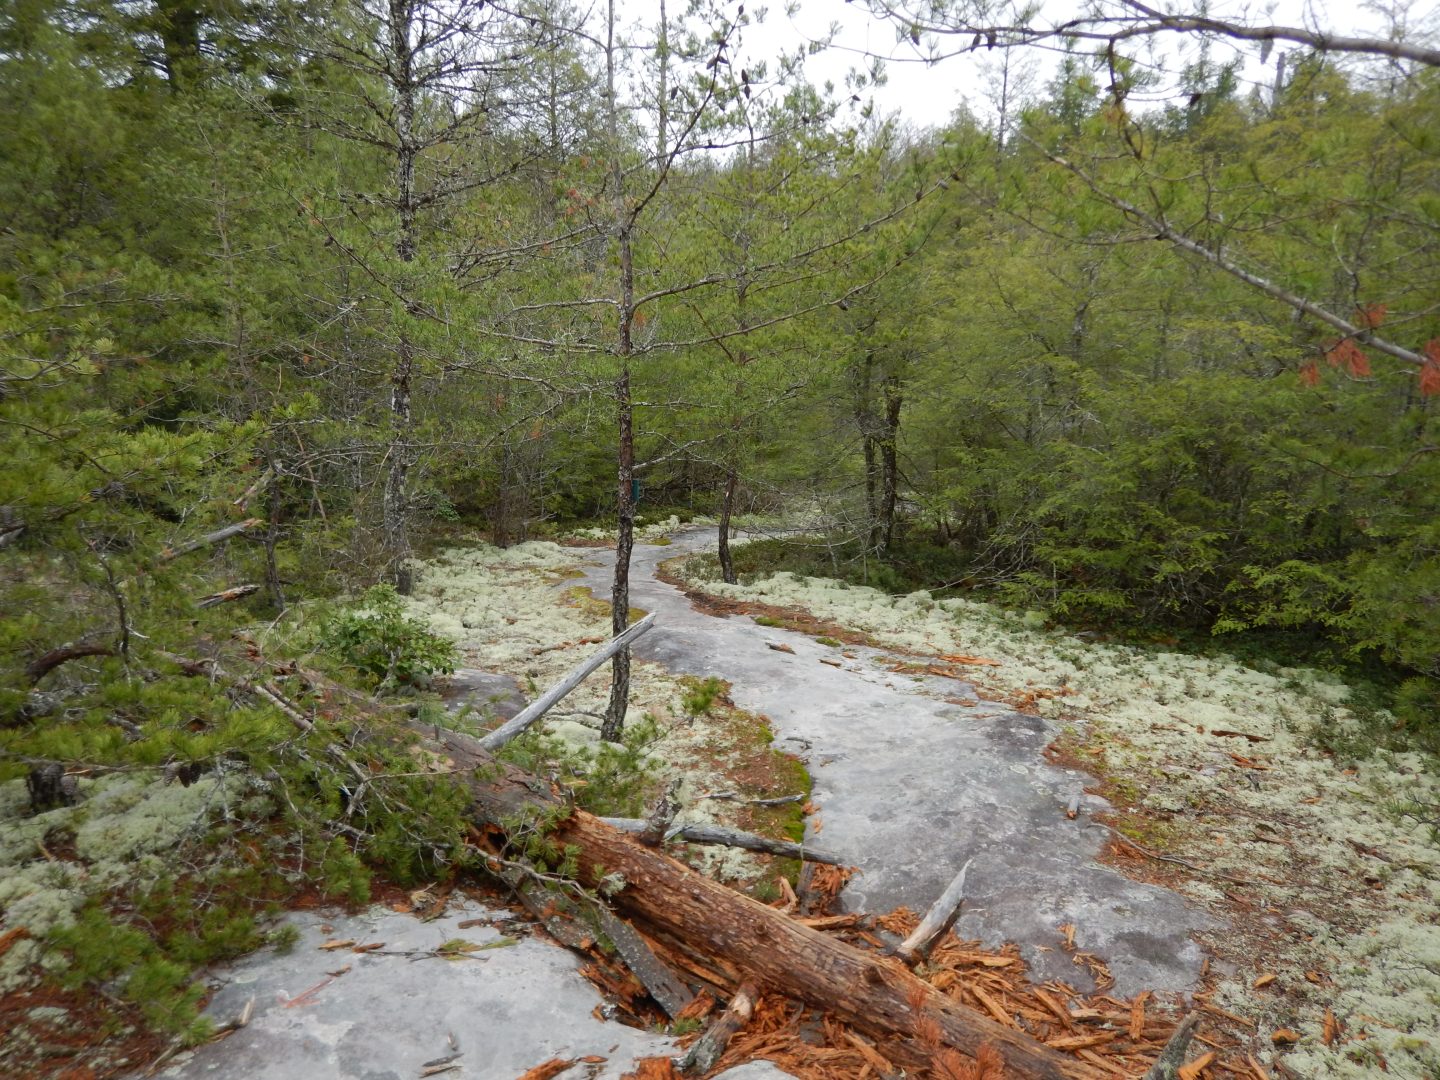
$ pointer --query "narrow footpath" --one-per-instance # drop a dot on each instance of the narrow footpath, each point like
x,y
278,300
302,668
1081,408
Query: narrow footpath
x,y
908,786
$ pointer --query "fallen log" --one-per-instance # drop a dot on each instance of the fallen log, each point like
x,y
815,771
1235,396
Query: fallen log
x,y
721,836
731,932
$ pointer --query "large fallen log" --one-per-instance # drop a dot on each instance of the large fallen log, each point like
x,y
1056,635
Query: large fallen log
x,y
730,932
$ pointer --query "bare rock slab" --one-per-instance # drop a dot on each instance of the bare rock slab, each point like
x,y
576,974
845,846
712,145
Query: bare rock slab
x,y
503,1004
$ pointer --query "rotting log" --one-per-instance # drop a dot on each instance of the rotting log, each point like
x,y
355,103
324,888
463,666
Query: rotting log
x,y
669,901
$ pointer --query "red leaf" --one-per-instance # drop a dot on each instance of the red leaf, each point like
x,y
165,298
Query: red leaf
x,y
1430,378
1346,352
1372,315
1310,374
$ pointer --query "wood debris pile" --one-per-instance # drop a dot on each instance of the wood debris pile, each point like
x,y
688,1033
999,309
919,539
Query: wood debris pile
x,y
1114,1037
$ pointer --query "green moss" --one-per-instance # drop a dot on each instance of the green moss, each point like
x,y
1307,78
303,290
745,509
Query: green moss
x,y
584,598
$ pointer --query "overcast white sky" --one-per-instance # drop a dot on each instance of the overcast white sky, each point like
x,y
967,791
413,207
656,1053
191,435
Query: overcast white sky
x,y
927,95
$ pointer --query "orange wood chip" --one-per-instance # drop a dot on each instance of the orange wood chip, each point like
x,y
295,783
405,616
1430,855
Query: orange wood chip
x,y
1193,1070
545,1070
652,1068
1081,1042
872,1056
1264,980
1137,1015
1284,1037
339,943
993,1007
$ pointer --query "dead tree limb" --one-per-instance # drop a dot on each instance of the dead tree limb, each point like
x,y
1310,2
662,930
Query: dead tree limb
x,y
940,918
722,836
45,663
210,538
517,724
1167,1065
224,596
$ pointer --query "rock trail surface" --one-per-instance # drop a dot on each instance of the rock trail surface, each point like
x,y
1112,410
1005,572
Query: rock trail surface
x,y
909,786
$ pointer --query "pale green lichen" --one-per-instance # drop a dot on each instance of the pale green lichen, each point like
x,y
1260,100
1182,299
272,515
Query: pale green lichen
x,y
121,826
508,611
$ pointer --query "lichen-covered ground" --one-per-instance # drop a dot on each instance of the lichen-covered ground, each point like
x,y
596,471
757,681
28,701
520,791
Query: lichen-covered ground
x,y
1326,869
517,612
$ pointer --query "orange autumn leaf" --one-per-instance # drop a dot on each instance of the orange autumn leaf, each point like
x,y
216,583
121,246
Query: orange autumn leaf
x,y
1332,1028
1372,315
1310,374
1430,376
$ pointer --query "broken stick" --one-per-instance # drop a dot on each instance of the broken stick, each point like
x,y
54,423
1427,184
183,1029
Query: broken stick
x,y
938,919
1167,1065
710,1047
517,724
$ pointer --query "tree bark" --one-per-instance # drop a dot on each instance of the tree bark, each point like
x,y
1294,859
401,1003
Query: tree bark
x,y
889,464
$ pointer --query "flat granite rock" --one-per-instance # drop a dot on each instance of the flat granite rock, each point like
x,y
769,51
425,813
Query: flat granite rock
x,y
502,1009
909,787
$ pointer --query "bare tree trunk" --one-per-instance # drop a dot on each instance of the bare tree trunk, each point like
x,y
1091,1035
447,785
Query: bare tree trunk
x,y
727,510
889,466
396,509
272,537
624,546
624,409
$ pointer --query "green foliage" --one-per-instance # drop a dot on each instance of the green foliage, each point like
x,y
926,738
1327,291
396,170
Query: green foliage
x,y
701,695
379,640
609,779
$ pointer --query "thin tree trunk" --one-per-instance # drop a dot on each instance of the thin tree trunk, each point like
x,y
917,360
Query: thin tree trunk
x,y
624,410
396,507
889,465
272,537
727,510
